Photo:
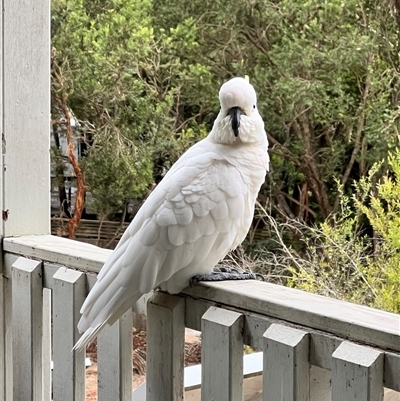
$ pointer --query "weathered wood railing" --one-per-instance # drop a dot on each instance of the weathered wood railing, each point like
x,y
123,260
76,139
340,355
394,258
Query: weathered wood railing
x,y
315,348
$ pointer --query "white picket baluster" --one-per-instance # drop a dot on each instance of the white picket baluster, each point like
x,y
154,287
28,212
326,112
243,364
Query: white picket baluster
x,y
222,355
27,329
114,360
286,366
69,367
165,347
357,373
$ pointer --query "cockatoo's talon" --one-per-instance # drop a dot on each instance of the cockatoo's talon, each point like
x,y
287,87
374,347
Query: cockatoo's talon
x,y
193,281
259,277
222,274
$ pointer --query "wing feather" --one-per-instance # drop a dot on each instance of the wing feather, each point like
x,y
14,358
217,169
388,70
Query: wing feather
x,y
186,225
184,215
220,211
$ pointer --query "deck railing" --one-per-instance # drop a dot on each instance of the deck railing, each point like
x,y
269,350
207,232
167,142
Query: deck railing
x,y
314,348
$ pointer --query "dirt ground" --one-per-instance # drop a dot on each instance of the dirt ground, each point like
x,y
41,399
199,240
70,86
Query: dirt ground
x,y
192,357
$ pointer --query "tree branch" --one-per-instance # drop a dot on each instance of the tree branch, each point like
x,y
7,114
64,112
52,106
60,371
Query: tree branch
x,y
81,188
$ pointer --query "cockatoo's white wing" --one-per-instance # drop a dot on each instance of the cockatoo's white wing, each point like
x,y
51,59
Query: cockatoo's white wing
x,y
202,208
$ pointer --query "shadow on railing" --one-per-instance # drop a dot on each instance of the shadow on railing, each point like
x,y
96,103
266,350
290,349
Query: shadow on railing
x,y
314,348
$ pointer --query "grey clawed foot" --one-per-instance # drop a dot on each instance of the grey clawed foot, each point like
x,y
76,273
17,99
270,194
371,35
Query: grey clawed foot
x,y
225,273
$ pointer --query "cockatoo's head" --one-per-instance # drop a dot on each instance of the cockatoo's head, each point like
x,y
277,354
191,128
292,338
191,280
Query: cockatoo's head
x,y
238,120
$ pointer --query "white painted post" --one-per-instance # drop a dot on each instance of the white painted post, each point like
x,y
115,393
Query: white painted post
x,y
357,373
27,329
165,347
46,345
114,360
24,136
25,112
286,367
69,367
222,355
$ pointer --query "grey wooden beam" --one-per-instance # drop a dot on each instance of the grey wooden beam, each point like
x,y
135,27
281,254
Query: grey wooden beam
x,y
27,329
63,251
165,347
357,373
345,319
222,355
286,367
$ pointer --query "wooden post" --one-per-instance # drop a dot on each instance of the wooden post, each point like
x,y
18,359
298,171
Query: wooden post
x,y
114,360
165,347
24,133
25,114
69,367
286,368
222,355
357,373
27,309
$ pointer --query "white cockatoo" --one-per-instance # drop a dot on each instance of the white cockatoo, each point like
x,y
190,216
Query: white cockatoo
x,y
202,209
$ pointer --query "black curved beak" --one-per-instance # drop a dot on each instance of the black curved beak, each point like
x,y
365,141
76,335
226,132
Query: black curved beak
x,y
235,113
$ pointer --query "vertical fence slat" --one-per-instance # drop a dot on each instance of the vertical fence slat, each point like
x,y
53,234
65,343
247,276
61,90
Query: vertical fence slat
x,y
69,367
286,366
222,355
357,373
165,347
27,329
114,361
46,345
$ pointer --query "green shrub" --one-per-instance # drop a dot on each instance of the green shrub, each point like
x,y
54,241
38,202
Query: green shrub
x,y
356,254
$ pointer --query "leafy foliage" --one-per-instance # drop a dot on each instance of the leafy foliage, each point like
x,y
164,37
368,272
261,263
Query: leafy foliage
x,y
341,259
383,213
128,86
324,72
142,77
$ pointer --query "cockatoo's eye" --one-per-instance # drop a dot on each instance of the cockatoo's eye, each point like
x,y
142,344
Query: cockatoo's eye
x,y
254,106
